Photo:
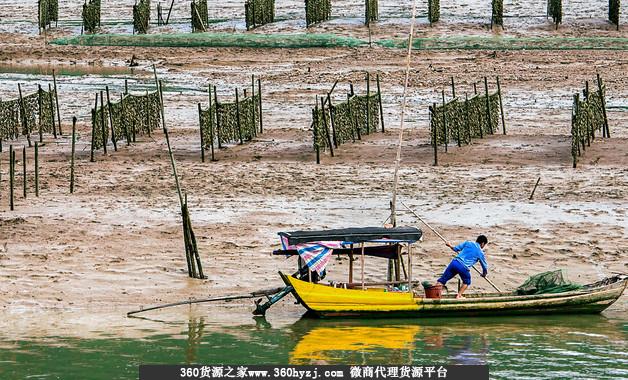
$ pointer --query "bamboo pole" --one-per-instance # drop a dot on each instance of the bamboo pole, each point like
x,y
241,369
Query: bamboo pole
x,y
54,78
102,123
200,123
24,168
36,169
39,103
316,131
445,121
91,157
443,239
333,124
329,143
254,105
169,11
488,107
501,106
362,265
52,112
379,98
126,86
113,132
409,268
535,186
147,105
123,122
259,91
351,264
453,88
217,117
368,103
211,122
466,111
238,117
600,86
72,157
11,177
435,135
574,153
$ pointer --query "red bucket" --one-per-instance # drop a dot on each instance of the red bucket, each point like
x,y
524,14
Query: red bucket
x,y
434,291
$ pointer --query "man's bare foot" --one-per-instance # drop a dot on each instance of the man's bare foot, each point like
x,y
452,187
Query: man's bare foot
x,y
459,296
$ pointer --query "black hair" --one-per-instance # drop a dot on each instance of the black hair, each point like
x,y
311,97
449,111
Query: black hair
x,y
482,240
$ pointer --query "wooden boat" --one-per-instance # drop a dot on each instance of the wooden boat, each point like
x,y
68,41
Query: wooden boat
x,y
400,297
328,301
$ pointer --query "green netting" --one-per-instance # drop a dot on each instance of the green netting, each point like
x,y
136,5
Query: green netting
x,y
433,10
304,40
259,12
555,11
9,119
613,11
509,43
317,11
498,12
141,16
36,110
547,282
200,15
371,12
460,121
91,16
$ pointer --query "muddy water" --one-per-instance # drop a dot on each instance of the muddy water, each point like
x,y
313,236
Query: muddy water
x,y
110,346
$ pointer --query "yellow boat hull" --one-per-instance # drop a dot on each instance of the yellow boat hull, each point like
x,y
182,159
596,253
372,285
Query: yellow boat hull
x,y
327,301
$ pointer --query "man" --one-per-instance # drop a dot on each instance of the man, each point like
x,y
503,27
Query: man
x,y
469,254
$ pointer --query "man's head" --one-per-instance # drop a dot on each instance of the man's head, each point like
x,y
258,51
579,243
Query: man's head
x,y
482,241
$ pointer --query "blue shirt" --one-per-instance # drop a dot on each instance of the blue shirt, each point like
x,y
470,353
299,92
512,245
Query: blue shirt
x,y
471,253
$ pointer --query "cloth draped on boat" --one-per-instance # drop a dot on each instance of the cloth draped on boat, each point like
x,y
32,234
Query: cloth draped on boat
x,y
547,282
316,255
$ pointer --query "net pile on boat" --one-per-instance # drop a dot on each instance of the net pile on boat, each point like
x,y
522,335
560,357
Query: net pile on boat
x,y
547,282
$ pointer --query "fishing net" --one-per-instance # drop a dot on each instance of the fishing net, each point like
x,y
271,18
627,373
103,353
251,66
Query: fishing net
x,y
225,123
547,282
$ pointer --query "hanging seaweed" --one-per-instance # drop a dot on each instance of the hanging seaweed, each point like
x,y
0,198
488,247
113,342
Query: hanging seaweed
x,y
48,12
371,11
141,16
133,115
613,11
9,119
317,11
498,13
200,15
461,121
259,12
588,117
433,10
555,10
91,16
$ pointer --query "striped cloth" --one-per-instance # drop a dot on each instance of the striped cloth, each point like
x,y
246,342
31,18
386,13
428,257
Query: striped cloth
x,y
316,255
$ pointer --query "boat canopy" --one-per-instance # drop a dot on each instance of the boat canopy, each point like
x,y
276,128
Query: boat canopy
x,y
355,235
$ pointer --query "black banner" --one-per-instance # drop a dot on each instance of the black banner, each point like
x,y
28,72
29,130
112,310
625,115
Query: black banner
x,y
310,372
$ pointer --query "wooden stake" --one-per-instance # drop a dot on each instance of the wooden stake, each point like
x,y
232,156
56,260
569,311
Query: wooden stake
x,y
435,135
333,124
123,121
126,86
147,107
368,103
113,132
72,157
211,122
444,121
103,126
36,169
453,88
91,159
200,123
329,143
54,78
600,87
379,99
52,112
535,186
466,111
501,106
259,91
11,176
362,265
488,107
316,132
217,118
238,117
24,168
39,101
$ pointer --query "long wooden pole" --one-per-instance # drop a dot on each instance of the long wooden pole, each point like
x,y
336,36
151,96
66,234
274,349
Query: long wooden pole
x,y
52,112
488,107
362,265
393,203
72,158
259,92
211,122
501,106
379,100
11,176
24,168
54,78
103,127
443,239
601,90
113,132
200,124
36,169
